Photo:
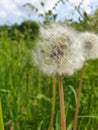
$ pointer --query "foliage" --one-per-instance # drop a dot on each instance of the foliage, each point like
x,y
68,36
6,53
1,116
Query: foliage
x,y
89,23
1,117
46,16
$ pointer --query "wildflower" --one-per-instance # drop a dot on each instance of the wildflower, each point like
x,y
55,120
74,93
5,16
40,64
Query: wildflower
x,y
90,44
58,51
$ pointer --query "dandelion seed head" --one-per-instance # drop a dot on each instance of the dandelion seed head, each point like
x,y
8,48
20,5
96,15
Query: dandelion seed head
x,y
58,51
90,44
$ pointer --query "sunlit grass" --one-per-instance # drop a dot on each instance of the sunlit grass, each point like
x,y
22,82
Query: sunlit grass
x,y
26,93
1,118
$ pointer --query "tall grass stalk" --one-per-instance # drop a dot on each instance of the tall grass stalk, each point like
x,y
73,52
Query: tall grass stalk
x,y
78,99
53,104
62,107
1,118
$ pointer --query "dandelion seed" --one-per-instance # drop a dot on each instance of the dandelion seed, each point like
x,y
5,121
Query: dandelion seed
x,y
58,51
90,44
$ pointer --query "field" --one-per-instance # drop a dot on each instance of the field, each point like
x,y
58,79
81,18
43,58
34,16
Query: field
x,y
26,93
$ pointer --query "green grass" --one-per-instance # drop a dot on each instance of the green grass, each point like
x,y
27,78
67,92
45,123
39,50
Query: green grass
x,y
26,93
1,118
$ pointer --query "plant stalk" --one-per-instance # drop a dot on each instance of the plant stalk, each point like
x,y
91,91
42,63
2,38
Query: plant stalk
x,y
62,107
1,118
53,104
78,99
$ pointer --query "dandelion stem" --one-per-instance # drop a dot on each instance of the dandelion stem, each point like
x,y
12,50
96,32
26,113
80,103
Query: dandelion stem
x,y
78,99
62,107
11,127
53,104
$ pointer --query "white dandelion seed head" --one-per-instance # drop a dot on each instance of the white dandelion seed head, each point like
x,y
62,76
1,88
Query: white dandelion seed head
x,y
58,51
90,44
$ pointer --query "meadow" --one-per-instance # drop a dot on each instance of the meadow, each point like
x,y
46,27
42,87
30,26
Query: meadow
x,y
26,93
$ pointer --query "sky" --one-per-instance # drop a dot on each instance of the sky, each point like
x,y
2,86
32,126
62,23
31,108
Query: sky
x,y
13,11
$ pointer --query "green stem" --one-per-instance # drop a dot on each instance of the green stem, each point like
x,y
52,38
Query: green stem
x,y
53,104
1,118
78,100
62,107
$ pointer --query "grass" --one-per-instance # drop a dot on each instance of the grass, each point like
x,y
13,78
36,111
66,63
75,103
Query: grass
x,y
26,94
1,117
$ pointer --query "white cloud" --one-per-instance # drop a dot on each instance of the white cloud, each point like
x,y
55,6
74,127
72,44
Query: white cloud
x,y
12,11
84,5
2,14
80,2
15,9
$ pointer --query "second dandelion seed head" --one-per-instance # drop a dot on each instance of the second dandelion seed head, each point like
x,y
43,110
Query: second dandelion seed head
x,y
90,44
